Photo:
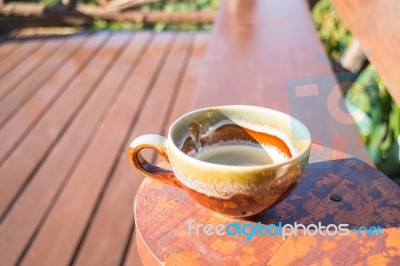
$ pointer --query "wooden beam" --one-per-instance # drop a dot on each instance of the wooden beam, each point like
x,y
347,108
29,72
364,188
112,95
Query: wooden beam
x,y
71,4
160,16
353,59
8,24
60,11
376,24
119,5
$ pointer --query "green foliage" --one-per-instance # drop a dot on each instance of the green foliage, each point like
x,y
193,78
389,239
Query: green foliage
x,y
100,24
379,124
181,5
166,6
332,30
369,96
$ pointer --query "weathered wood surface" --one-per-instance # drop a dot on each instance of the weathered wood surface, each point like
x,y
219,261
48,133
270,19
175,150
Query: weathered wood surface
x,y
376,24
368,198
70,106
268,53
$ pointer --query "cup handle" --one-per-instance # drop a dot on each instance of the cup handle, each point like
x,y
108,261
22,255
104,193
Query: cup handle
x,y
154,172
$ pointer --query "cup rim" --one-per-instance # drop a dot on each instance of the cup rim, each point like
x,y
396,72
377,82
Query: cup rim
x,y
205,164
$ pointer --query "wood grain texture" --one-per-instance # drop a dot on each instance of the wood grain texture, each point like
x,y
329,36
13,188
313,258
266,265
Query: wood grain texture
x,y
112,214
17,169
267,53
27,115
182,104
54,173
7,48
185,99
67,189
24,51
375,24
73,207
163,212
27,87
25,68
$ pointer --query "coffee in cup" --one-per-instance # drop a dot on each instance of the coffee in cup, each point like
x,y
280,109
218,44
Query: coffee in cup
x,y
234,160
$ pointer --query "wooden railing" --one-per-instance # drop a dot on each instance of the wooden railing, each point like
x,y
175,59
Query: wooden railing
x,y
267,53
71,13
376,25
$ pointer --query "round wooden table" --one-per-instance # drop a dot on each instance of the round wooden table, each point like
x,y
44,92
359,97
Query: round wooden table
x,y
336,190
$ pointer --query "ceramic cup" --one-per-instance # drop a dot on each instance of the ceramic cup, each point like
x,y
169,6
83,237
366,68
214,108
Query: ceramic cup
x,y
230,190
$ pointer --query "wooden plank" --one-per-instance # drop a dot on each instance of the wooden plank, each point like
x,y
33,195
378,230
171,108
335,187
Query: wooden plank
x,y
120,5
184,103
381,40
25,50
15,23
33,82
38,13
133,257
29,65
48,181
73,208
19,167
23,121
162,16
185,99
253,61
7,47
114,213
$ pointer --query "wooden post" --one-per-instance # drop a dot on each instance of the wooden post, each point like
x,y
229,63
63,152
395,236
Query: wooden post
x,y
70,4
353,58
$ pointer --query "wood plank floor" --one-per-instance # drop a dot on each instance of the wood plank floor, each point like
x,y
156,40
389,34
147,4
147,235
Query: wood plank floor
x,y
69,106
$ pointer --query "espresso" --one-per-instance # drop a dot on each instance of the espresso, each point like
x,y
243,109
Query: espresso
x,y
240,155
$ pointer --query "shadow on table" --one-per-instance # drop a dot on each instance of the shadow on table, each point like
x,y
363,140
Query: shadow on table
x,y
345,191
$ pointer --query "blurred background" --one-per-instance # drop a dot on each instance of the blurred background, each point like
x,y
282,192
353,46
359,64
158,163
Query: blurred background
x,y
376,113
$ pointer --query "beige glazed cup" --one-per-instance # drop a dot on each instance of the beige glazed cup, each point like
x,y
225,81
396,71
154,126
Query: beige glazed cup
x,y
230,190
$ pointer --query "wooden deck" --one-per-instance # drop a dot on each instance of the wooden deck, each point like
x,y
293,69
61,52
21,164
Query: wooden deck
x,y
69,106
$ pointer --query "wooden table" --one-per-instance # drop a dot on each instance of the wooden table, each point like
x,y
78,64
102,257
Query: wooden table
x,y
336,189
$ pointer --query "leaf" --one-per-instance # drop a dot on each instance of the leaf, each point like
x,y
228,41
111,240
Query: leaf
x,y
394,120
159,26
376,138
387,142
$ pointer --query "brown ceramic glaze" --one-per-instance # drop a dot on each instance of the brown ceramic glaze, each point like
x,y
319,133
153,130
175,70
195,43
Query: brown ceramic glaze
x,y
233,191
245,206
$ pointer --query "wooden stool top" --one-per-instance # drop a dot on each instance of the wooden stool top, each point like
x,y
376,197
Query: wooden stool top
x,y
335,190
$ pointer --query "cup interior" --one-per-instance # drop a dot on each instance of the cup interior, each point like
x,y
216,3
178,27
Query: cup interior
x,y
283,136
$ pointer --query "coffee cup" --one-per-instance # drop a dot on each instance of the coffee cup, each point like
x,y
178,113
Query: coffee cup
x,y
234,160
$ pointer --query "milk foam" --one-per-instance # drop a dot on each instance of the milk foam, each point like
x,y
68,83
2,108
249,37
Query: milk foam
x,y
226,190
